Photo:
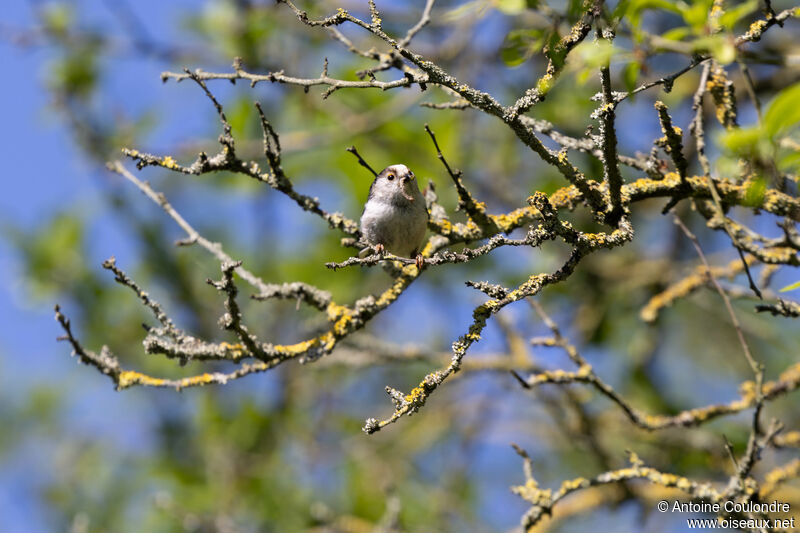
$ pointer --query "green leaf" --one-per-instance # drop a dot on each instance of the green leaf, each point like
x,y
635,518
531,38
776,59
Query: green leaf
x,y
696,15
76,74
519,46
52,253
240,114
720,46
784,111
58,18
634,9
665,5
789,162
756,190
677,34
551,49
511,7
735,14
477,7
621,10
723,51
631,74
583,75
596,54
743,140
791,287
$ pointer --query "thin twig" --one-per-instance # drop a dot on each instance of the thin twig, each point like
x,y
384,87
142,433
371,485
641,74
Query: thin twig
x,y
309,294
755,367
423,21
352,150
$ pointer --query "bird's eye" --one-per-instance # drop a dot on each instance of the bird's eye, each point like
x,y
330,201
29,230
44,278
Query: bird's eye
x,y
390,177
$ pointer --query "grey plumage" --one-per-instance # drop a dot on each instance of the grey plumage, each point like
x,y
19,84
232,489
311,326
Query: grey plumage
x,y
395,215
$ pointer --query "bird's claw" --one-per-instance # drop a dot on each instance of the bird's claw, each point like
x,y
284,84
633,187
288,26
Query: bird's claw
x,y
420,261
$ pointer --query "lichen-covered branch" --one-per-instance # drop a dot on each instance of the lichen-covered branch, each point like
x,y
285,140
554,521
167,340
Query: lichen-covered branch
x,y
307,293
608,134
608,200
788,381
686,286
673,139
782,308
550,228
544,500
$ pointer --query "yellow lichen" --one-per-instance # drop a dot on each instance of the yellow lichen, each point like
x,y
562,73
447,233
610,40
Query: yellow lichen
x,y
443,227
233,351
128,378
792,438
512,220
327,340
428,249
342,326
574,484
757,27
293,350
334,311
202,379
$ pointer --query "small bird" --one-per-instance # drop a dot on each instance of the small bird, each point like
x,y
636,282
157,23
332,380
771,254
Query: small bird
x,y
395,217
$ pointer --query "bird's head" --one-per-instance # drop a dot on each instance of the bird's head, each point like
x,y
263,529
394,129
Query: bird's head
x,y
393,182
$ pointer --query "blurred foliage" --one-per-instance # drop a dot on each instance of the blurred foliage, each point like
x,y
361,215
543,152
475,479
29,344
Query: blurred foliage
x,y
283,452
776,139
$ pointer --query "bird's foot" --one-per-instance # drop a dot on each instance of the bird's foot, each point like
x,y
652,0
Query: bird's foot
x,y
420,261
379,249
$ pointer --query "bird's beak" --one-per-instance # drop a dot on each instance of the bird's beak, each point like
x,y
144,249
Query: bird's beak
x,y
403,181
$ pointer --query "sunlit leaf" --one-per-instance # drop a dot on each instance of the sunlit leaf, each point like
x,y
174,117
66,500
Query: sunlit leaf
x,y
597,53
696,15
784,111
755,191
723,50
511,7
737,13
741,140
720,46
